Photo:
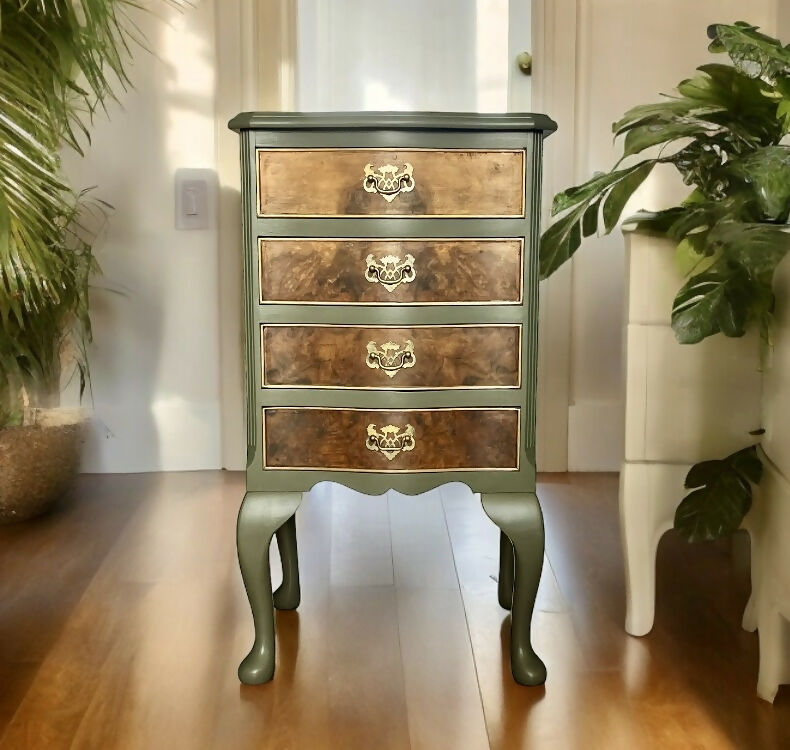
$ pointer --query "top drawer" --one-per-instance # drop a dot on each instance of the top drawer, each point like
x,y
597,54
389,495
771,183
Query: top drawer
x,y
391,182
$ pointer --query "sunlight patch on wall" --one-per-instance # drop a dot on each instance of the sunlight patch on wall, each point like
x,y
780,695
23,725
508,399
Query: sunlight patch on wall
x,y
378,96
410,55
492,59
189,89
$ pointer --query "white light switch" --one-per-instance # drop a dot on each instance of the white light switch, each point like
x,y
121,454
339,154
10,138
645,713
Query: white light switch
x,y
195,197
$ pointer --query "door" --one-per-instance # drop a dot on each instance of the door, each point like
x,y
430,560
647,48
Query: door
x,y
406,55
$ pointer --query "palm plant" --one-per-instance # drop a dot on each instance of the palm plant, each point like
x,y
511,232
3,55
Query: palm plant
x,y
724,131
60,62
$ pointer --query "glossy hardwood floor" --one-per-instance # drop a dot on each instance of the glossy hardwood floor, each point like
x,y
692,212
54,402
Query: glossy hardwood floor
x,y
122,620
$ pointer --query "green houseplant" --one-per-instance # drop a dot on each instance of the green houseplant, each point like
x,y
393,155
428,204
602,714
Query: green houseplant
x,y
60,62
723,131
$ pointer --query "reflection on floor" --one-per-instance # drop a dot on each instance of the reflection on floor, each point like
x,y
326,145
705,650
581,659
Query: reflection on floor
x,y
123,617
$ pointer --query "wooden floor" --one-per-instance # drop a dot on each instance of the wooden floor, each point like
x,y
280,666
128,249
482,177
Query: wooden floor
x,y
123,617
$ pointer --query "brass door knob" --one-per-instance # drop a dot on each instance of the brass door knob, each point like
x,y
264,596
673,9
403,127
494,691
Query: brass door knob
x,y
524,62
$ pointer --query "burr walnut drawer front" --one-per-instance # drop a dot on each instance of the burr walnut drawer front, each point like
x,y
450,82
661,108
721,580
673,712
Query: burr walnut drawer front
x,y
424,356
387,271
407,440
390,182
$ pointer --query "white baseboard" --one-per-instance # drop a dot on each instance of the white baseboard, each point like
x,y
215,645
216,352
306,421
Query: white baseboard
x,y
172,435
595,436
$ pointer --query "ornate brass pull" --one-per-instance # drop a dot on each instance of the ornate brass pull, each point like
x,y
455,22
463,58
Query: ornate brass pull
x,y
390,357
390,271
390,440
387,181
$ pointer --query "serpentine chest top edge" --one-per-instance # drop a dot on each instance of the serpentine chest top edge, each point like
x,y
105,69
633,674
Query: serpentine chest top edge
x,y
506,121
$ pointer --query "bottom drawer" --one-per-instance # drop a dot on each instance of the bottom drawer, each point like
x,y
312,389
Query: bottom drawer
x,y
404,440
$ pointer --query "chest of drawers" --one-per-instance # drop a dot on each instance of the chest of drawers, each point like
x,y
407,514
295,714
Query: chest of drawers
x,y
390,290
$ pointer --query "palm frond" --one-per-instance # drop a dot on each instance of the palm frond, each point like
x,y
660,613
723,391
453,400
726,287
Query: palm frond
x,y
61,61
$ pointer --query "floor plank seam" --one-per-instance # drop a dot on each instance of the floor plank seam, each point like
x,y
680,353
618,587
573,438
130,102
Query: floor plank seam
x,y
397,619
466,617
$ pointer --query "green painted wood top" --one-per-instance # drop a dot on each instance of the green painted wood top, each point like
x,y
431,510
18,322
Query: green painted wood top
x,y
508,121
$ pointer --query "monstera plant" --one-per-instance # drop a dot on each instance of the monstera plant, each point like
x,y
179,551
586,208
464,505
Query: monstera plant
x,y
60,61
723,130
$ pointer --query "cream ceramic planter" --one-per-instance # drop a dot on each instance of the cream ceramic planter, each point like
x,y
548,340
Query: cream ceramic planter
x,y
684,404
769,521
776,385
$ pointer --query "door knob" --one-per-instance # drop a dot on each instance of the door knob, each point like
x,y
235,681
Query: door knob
x,y
524,62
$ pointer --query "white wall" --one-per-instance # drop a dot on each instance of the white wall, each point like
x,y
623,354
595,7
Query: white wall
x,y
156,367
155,360
627,53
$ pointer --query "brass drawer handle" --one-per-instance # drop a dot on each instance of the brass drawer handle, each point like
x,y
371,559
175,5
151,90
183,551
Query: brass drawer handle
x,y
391,357
390,440
390,271
387,181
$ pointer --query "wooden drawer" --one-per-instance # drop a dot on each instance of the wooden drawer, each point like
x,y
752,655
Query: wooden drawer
x,y
391,182
425,356
407,440
384,271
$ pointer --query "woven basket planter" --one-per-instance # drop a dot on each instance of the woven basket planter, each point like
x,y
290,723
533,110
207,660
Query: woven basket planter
x,y
38,462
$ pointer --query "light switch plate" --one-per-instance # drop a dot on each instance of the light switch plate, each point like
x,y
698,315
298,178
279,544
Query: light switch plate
x,y
195,198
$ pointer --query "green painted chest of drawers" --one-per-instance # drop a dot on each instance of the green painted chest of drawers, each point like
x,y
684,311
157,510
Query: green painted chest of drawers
x,y
390,288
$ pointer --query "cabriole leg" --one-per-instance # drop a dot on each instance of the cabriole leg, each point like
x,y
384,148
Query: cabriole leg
x,y
506,569
520,518
288,593
260,516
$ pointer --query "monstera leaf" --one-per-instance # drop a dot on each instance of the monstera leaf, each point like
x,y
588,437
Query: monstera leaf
x,y
721,496
678,107
737,288
766,172
662,131
713,301
754,53
783,107
611,190
756,247
759,56
722,129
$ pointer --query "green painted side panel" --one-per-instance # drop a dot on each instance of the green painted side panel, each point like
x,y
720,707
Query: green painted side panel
x,y
390,226
397,130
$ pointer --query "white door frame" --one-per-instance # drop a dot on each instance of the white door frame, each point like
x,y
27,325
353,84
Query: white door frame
x,y
249,77
252,76
554,92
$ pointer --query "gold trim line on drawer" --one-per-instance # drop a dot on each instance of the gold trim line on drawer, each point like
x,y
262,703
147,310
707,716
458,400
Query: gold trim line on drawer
x,y
394,386
399,411
521,151
481,303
